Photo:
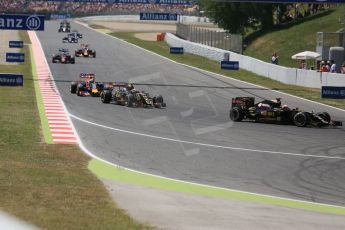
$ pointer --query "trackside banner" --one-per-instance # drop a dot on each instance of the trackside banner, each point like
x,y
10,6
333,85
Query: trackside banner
x,y
59,16
169,2
15,57
333,92
232,65
21,22
11,79
15,44
158,16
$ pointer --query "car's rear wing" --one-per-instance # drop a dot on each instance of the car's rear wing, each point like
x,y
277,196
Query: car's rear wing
x,y
87,77
111,85
243,102
82,46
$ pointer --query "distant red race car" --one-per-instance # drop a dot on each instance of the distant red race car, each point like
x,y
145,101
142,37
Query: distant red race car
x,y
85,51
63,57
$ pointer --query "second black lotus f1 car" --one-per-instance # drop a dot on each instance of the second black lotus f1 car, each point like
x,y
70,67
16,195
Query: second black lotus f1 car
x,y
125,94
271,111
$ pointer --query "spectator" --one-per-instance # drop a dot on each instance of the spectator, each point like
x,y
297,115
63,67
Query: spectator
x,y
303,64
333,68
274,59
328,65
343,68
323,67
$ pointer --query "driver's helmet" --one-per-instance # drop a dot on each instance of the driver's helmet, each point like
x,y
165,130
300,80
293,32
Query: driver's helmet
x,y
278,101
130,86
285,108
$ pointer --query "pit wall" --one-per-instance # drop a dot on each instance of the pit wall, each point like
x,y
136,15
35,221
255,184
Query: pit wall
x,y
292,76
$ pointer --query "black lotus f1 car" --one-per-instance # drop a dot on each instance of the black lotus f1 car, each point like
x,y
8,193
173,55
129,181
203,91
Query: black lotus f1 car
x,y
271,111
63,57
86,85
125,94
85,51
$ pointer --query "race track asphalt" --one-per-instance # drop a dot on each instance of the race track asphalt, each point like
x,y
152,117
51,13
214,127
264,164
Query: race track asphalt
x,y
246,156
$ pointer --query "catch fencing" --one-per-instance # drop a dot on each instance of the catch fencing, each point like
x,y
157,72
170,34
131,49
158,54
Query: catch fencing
x,y
218,39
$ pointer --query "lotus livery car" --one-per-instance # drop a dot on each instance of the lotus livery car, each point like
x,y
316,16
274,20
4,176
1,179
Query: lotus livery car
x,y
271,111
125,94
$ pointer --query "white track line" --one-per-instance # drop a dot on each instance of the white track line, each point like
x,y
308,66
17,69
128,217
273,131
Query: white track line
x,y
204,144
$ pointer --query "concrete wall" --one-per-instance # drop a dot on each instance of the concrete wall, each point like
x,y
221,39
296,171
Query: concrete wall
x,y
293,76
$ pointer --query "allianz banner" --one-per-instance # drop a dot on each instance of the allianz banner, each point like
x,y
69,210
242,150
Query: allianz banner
x,y
334,92
11,79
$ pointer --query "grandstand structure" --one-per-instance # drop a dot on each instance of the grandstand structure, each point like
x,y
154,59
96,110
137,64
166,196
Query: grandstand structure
x,y
101,7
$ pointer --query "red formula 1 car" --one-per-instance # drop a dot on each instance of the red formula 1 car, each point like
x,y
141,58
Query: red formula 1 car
x,y
85,51
86,85
271,111
63,57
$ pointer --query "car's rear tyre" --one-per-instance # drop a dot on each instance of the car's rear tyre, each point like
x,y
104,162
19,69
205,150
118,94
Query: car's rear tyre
x,y
157,99
129,100
106,96
325,116
236,114
74,86
72,61
301,119
94,55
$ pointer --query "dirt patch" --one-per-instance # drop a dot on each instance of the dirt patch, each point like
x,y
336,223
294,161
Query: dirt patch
x,y
136,26
146,36
5,37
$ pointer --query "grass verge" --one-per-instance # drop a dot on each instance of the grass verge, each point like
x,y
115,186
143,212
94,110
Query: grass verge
x,y
162,48
47,185
296,37
110,172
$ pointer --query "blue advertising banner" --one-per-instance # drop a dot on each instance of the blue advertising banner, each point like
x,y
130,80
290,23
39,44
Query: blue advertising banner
x,y
59,16
168,2
233,65
176,50
15,57
333,92
16,44
21,22
158,16
11,79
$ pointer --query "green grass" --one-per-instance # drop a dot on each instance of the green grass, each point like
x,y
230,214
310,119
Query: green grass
x,y
162,48
110,172
297,37
47,185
